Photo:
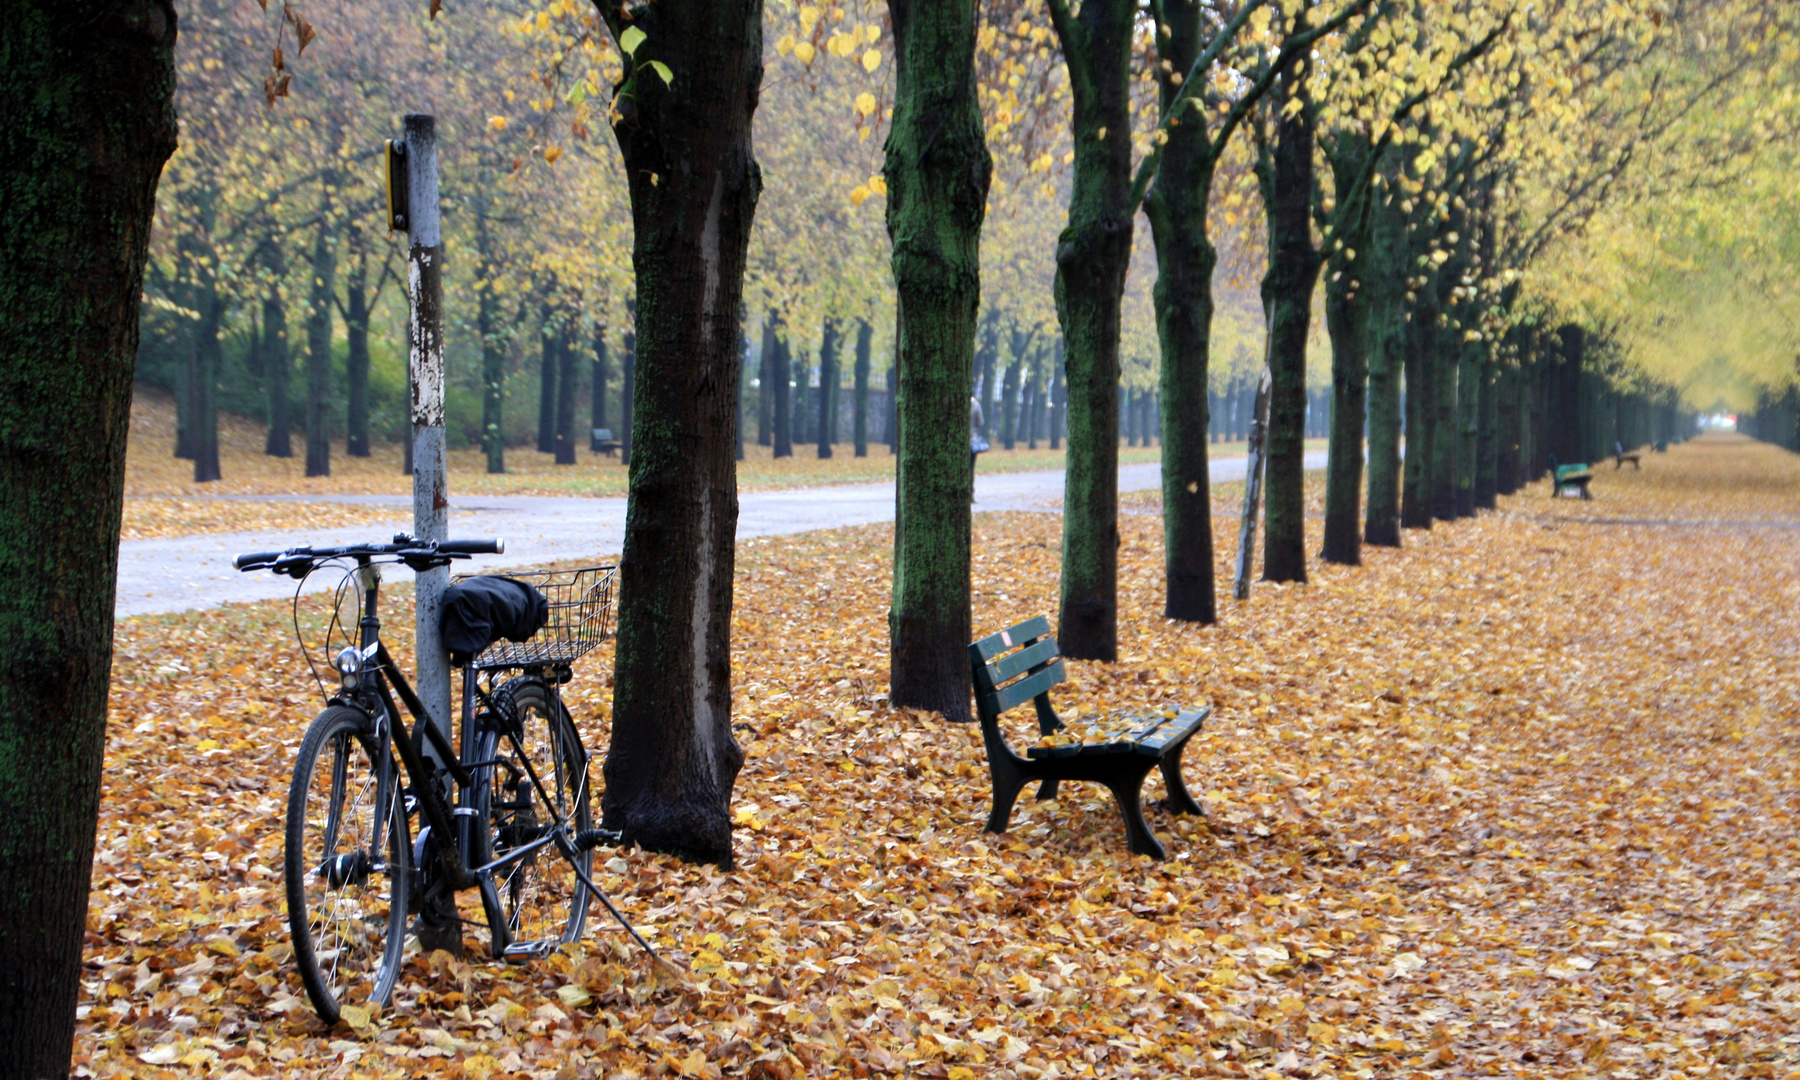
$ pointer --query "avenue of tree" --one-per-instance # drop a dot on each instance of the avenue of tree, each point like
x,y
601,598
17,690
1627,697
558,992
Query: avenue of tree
x,y
1538,230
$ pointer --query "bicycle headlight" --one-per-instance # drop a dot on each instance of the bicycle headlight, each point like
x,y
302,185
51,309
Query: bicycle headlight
x,y
349,664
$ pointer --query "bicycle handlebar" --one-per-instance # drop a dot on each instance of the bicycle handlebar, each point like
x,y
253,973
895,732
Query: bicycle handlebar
x,y
419,554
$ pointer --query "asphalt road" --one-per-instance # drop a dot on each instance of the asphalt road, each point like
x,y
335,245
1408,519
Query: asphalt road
x,y
192,572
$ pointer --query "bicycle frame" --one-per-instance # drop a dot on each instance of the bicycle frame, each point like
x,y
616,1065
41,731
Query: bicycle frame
x,y
375,696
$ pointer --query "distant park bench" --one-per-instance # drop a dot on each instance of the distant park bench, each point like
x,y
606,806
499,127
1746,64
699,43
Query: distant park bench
x,y
1569,476
1622,455
1022,663
603,442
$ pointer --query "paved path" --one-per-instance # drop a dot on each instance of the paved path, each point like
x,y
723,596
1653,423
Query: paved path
x,y
189,572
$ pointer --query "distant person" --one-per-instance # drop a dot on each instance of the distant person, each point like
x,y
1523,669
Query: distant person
x,y
977,442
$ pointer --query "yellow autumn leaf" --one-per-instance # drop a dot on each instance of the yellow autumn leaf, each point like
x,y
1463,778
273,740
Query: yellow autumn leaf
x,y
784,45
497,123
878,184
865,103
871,60
805,52
859,194
551,153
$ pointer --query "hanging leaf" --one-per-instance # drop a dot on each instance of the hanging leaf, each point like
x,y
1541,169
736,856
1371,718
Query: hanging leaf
x,y
631,39
662,69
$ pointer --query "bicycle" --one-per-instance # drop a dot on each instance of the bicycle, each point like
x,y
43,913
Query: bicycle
x,y
366,834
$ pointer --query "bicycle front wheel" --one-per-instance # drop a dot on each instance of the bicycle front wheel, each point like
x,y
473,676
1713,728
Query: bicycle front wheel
x,y
347,864
538,782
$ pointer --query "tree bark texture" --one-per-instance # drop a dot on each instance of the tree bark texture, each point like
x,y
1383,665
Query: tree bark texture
x,y
1286,172
89,120
1177,206
1093,254
549,367
694,186
1384,287
937,170
780,373
765,390
1347,322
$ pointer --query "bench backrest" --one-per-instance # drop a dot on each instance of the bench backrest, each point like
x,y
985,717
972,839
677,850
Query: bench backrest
x,y
603,434
1019,664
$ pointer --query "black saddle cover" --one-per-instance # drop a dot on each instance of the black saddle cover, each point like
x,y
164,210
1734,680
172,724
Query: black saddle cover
x,y
479,611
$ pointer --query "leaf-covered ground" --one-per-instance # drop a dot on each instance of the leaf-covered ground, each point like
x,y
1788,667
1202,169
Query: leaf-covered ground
x,y
1517,799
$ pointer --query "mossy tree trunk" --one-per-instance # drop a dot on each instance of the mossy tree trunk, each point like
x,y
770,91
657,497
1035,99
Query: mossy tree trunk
x,y
1347,312
1093,254
1285,172
1384,290
1177,206
89,122
937,170
694,185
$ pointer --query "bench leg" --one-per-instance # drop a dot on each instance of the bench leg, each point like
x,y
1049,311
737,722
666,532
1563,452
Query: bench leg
x,y
1046,790
1179,800
1138,836
1008,782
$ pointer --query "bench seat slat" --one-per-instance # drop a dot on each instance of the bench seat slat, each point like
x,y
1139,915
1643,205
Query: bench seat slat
x,y
1027,688
1174,730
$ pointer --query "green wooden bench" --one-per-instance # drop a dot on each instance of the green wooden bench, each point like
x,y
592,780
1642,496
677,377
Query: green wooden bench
x,y
603,442
1622,455
1022,663
1565,477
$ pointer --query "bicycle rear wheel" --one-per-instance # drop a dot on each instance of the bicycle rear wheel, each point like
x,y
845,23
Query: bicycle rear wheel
x,y
347,864
540,781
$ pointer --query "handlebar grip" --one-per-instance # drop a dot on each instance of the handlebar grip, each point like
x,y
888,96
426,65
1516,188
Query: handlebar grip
x,y
494,546
255,560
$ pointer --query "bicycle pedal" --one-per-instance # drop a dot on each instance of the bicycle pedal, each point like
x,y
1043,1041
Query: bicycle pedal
x,y
589,839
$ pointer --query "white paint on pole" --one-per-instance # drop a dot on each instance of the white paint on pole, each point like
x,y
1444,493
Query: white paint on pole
x,y
425,360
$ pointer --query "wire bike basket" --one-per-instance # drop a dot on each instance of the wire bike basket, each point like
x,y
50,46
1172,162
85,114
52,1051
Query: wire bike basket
x,y
581,608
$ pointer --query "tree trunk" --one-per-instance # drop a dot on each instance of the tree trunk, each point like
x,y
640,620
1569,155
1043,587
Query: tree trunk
x,y
765,390
568,389
781,368
743,383
1092,256
488,317
1347,321
1177,206
801,414
549,365
1384,287
694,183
356,358
828,361
987,359
893,398
937,170
865,335
89,120
208,359
628,394
1286,173
318,350
277,358
1009,393
602,376
1421,412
